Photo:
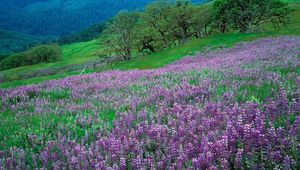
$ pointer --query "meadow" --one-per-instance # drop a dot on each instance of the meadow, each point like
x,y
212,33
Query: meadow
x,y
224,101
228,108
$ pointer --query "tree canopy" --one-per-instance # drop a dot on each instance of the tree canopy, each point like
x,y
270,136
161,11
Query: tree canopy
x,y
246,15
167,23
120,31
163,24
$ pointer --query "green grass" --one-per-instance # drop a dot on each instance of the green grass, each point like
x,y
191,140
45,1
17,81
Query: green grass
x,y
72,54
16,130
168,56
80,53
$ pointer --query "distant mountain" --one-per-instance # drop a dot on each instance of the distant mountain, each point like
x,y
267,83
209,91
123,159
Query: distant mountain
x,y
60,17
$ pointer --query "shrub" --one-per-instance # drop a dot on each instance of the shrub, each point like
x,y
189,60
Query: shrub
x,y
39,54
44,53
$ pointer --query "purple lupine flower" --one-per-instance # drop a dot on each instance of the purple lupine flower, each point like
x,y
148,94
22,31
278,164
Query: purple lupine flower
x,y
122,163
45,158
287,162
239,157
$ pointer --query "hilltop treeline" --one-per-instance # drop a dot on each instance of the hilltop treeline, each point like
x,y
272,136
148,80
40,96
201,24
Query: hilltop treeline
x,y
39,54
164,23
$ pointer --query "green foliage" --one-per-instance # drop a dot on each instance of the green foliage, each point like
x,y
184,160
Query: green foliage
x,y
201,26
146,38
179,18
39,54
174,23
246,15
221,15
162,25
119,34
152,32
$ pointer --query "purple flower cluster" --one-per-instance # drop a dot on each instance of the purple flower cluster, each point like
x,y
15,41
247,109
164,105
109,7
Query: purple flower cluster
x,y
183,116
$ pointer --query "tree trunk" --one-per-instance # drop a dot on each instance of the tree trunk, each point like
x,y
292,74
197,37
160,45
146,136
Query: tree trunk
x,y
151,48
127,54
222,27
251,27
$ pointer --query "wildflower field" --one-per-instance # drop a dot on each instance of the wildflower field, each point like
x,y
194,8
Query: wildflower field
x,y
236,108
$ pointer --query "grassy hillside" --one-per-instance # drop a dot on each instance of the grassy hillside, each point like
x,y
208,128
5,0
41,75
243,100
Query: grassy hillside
x,y
240,103
73,54
80,53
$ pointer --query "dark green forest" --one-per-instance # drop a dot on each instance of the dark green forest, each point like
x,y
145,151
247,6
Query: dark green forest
x,y
60,17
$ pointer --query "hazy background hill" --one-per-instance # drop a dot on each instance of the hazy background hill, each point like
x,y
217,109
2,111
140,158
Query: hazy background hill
x,y
60,17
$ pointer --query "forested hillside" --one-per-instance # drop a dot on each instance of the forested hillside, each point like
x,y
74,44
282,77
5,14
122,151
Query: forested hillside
x,y
60,17
29,22
11,41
